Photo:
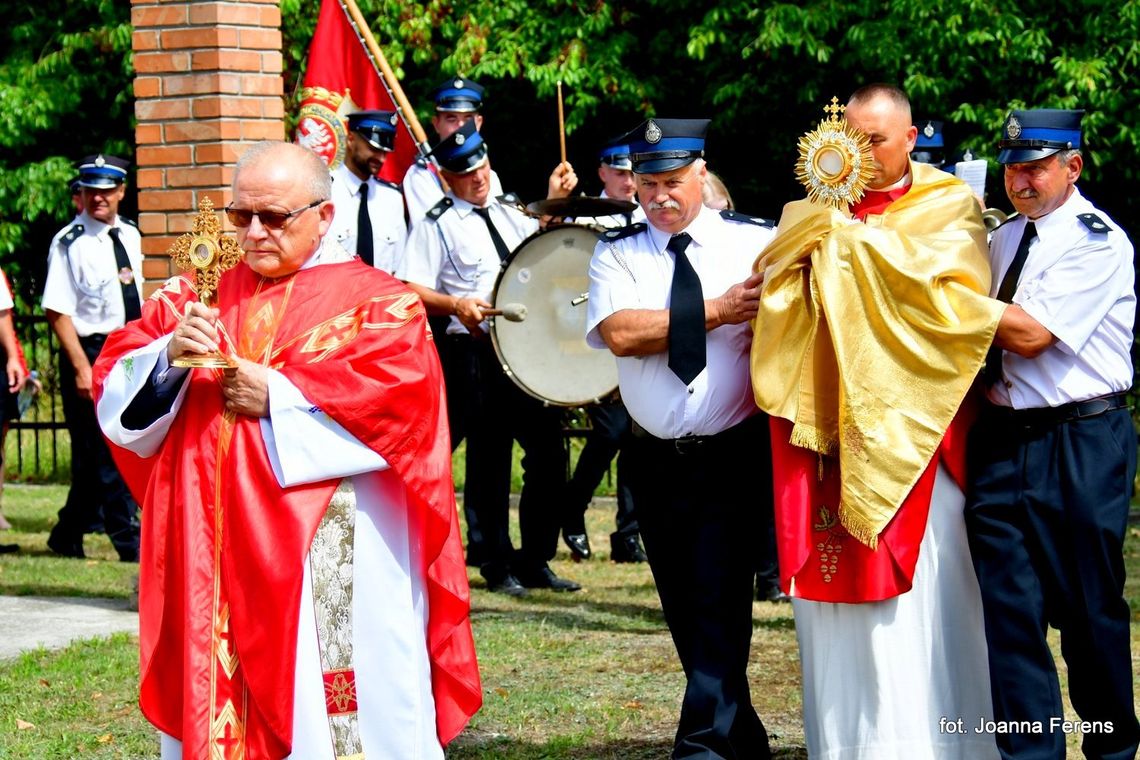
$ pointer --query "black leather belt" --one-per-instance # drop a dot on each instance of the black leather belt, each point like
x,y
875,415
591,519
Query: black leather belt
x,y
1056,415
690,445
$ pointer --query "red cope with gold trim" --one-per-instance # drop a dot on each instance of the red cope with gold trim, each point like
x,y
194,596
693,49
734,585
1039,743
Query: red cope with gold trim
x,y
222,542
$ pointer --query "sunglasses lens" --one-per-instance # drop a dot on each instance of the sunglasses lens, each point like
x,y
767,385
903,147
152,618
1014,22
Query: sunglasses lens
x,y
239,217
273,220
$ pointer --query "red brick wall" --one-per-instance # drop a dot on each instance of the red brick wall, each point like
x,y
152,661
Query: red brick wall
x,y
207,84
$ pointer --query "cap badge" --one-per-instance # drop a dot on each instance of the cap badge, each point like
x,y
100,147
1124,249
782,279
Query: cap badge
x,y
928,130
652,132
458,84
1013,128
99,161
459,139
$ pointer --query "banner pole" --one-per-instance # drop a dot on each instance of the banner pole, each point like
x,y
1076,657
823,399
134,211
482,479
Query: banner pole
x,y
388,77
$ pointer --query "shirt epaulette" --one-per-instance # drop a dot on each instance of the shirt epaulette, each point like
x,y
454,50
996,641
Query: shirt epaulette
x,y
609,236
131,222
509,199
736,216
388,183
1011,218
1094,223
70,236
436,211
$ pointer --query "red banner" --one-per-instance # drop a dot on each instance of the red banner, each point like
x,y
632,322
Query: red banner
x,y
340,79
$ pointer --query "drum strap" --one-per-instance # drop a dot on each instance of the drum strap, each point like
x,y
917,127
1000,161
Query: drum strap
x,y
496,238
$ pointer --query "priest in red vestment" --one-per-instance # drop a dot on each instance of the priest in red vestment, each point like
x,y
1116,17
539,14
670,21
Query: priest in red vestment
x,y
871,328
302,588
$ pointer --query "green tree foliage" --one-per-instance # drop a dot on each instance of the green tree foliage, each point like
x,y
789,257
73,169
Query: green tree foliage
x,y
65,92
761,69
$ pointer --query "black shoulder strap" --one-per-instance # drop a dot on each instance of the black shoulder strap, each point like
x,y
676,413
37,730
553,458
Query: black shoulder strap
x,y
436,211
736,216
388,183
70,236
1094,223
609,236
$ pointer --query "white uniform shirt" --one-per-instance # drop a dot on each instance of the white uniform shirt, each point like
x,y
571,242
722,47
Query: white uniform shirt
x,y
422,190
612,221
455,254
5,296
1078,283
385,211
83,278
636,272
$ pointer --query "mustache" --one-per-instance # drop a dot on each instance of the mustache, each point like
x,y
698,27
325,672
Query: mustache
x,y
1024,194
670,203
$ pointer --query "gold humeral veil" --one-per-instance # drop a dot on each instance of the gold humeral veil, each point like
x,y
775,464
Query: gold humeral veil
x,y
869,335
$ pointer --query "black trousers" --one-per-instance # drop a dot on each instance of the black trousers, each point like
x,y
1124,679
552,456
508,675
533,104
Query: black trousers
x,y
609,438
1046,512
699,507
96,484
496,413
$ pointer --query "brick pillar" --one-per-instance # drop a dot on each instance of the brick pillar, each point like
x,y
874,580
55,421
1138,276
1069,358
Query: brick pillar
x,y
207,84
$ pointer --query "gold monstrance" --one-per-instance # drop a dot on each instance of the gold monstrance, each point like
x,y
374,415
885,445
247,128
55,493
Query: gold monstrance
x,y
835,161
206,251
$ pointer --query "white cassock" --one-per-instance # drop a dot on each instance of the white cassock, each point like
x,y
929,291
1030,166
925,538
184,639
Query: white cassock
x,y
389,606
883,680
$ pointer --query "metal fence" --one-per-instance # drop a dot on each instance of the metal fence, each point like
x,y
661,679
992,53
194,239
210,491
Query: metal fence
x,y
38,446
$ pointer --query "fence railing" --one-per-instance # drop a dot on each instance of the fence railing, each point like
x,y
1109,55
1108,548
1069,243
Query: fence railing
x,y
38,446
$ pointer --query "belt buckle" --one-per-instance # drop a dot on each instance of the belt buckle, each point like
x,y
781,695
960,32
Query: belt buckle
x,y
689,445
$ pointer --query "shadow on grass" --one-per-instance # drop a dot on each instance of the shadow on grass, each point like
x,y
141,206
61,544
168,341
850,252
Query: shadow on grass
x,y
472,745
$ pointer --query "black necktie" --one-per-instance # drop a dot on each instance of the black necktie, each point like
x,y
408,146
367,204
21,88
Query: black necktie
x,y
686,314
364,227
1005,293
126,277
496,238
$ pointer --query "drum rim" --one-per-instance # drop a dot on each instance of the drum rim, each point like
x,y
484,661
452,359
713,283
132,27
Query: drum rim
x,y
514,378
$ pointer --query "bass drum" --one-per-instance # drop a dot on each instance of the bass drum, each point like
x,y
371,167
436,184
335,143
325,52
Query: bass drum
x,y
546,354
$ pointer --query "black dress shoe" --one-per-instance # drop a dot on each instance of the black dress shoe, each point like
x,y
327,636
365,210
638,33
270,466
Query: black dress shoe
x,y
9,548
626,549
509,585
579,544
773,594
475,555
544,577
64,547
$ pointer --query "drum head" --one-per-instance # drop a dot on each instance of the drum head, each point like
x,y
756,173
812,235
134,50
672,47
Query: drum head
x,y
546,354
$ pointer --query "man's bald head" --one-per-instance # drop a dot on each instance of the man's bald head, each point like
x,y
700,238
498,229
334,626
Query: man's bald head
x,y
307,167
882,112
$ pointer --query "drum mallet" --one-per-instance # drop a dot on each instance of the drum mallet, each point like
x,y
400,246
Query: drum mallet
x,y
512,312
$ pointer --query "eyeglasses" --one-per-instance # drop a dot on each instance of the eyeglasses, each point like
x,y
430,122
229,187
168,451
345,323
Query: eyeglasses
x,y
270,220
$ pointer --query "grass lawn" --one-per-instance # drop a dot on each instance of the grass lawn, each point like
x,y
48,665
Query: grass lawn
x,y
581,676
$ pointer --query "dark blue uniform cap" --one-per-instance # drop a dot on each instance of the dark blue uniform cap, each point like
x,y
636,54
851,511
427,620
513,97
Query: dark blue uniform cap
x,y
929,134
616,155
662,145
1032,135
458,95
102,172
462,151
377,127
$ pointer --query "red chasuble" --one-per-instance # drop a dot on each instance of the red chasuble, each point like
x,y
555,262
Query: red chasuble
x,y
829,565
223,544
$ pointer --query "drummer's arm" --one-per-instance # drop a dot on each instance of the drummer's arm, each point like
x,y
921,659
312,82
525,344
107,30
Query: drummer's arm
x,y
468,310
639,332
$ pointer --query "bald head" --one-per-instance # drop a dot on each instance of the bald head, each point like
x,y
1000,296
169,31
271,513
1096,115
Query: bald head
x,y
305,167
882,112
